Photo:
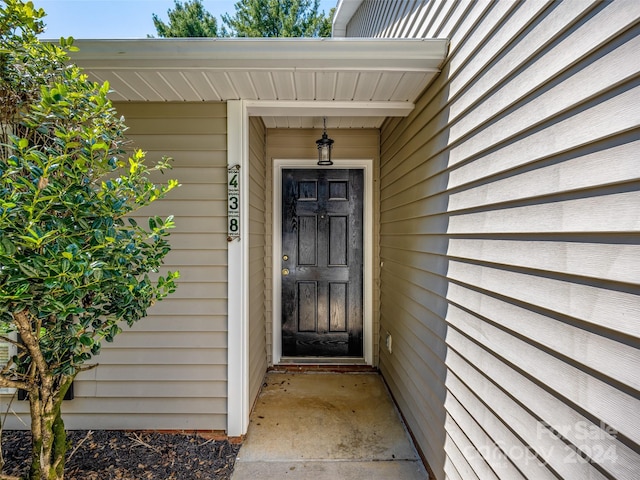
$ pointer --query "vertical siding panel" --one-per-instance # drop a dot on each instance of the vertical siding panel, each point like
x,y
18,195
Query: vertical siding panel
x,y
508,241
448,10
391,17
483,460
462,466
415,19
169,370
257,275
434,11
408,7
450,28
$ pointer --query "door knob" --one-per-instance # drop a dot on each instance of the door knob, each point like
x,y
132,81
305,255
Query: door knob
x,y
285,271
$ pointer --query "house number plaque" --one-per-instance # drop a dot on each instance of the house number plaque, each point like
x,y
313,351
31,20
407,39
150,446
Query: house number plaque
x,y
233,204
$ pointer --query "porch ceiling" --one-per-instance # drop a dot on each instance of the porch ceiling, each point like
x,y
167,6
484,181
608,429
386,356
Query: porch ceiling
x,y
356,83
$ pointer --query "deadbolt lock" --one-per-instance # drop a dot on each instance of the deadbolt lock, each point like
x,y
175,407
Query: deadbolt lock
x,y
285,271
285,257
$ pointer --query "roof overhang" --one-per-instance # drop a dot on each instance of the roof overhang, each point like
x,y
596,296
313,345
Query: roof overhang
x,y
361,77
342,16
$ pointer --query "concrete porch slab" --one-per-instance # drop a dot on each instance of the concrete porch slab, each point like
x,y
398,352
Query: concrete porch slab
x,y
326,425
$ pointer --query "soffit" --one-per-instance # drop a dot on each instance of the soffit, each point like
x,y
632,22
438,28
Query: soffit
x,y
330,72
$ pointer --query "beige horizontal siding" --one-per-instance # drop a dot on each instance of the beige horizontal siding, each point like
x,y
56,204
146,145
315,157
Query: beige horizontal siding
x,y
201,372
169,370
257,242
109,413
510,238
181,355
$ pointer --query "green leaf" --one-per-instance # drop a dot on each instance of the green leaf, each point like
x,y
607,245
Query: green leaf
x,y
31,240
61,201
28,270
99,236
8,246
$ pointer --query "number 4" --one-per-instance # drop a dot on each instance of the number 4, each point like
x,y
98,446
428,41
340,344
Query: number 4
x,y
234,181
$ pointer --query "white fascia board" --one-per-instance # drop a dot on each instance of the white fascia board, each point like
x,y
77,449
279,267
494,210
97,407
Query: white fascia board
x,y
343,15
277,108
263,53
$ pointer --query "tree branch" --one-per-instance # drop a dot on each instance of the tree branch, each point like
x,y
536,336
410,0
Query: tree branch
x,y
31,343
5,382
9,340
86,368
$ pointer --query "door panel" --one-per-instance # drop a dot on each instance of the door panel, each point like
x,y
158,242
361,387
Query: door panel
x,y
322,262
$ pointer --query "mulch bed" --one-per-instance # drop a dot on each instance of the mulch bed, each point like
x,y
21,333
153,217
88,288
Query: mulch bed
x,y
118,455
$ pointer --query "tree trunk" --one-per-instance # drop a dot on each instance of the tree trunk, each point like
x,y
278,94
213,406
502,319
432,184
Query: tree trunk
x,y
47,429
46,392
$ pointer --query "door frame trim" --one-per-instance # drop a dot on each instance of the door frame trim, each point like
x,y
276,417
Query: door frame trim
x,y
366,165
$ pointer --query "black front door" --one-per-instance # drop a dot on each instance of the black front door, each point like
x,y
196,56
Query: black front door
x,y
321,263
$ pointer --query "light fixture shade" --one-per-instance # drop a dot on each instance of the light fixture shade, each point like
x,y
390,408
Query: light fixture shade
x,y
325,145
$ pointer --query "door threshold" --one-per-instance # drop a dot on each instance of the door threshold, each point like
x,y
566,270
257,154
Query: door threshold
x,y
322,368
321,361
323,365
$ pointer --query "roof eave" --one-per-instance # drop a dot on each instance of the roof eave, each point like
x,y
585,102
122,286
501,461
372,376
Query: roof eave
x,y
341,18
299,53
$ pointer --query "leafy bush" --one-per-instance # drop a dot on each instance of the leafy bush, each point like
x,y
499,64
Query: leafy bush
x,y
74,265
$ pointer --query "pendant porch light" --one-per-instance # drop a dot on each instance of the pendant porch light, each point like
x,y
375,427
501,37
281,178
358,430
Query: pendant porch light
x,y
325,145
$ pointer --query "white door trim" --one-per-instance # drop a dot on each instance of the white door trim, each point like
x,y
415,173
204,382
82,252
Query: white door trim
x,y
368,234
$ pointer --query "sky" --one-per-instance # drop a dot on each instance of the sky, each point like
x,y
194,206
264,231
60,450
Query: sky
x,y
101,19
